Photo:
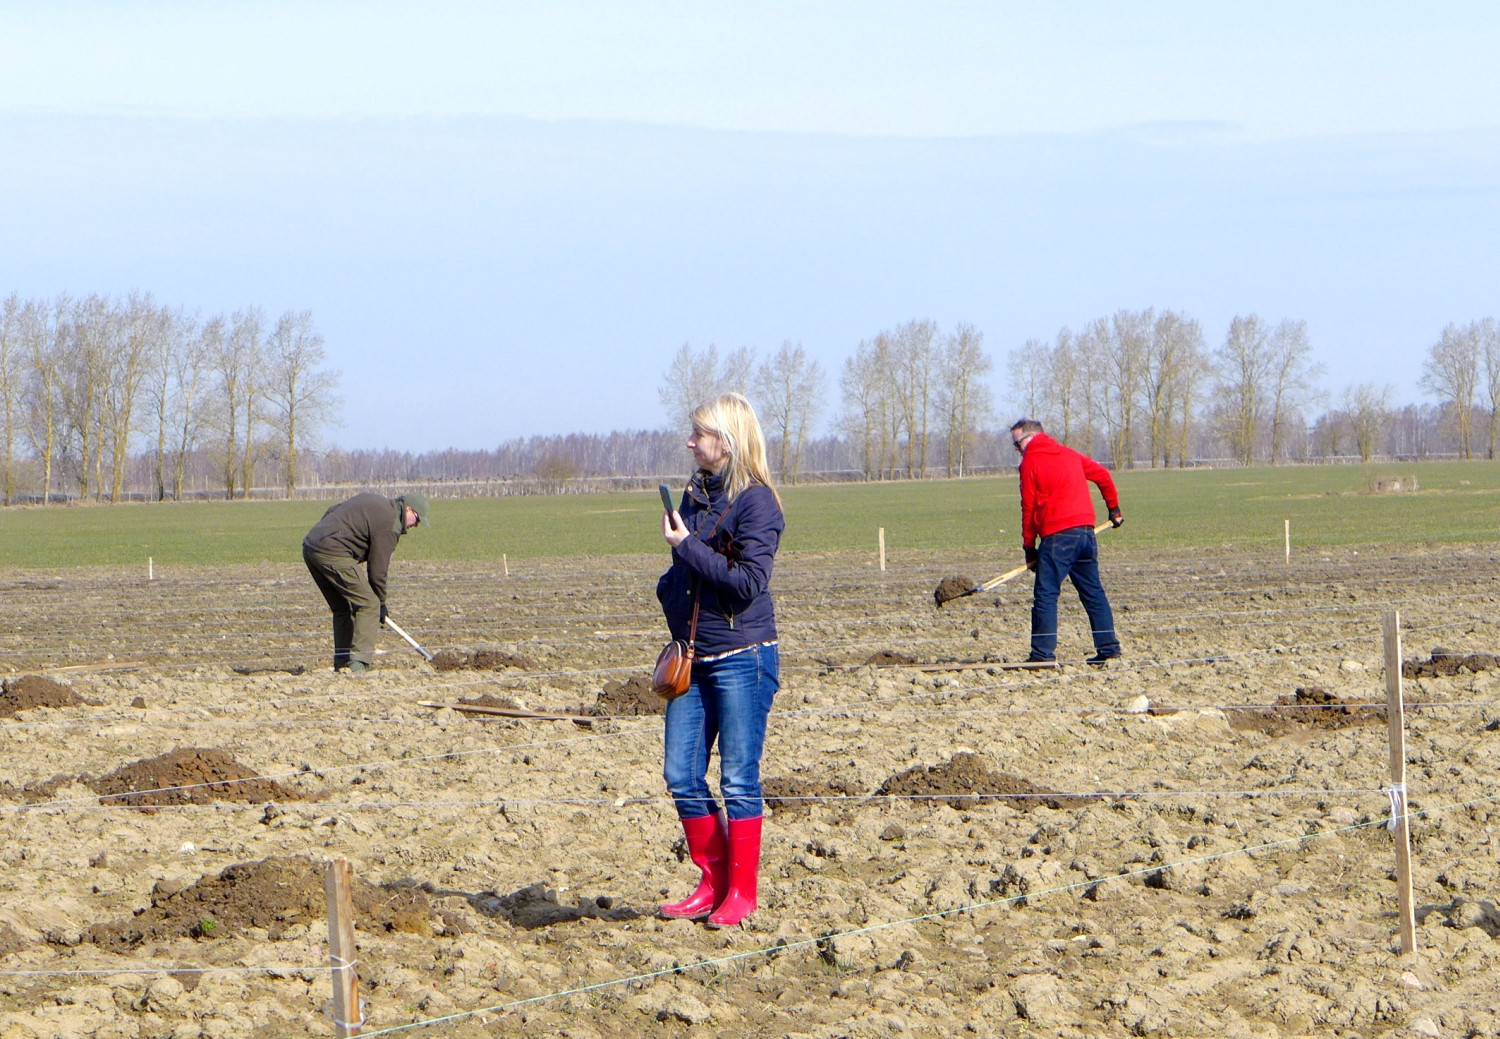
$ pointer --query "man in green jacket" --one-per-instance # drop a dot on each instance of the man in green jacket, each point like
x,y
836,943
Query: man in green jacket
x,y
363,529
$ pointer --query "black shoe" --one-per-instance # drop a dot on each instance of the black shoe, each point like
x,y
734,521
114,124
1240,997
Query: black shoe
x,y
1099,659
1034,659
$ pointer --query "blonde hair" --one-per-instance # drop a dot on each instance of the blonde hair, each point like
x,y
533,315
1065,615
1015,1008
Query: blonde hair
x,y
731,418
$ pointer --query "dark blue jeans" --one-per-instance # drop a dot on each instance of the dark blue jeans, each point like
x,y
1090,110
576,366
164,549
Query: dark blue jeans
x,y
1072,553
727,702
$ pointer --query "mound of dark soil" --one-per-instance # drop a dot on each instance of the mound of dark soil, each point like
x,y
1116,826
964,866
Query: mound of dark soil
x,y
32,691
887,657
479,660
632,696
490,700
967,775
1309,707
789,794
953,588
536,905
275,894
187,775
1445,662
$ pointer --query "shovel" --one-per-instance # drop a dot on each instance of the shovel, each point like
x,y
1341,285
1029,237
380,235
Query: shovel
x,y
397,629
945,592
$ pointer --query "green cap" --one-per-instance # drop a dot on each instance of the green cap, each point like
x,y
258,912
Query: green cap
x,y
418,503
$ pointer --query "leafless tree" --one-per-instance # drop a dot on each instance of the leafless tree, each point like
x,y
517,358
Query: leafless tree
x,y
1030,371
1243,366
11,316
1368,410
1451,374
964,398
1168,361
696,376
1063,376
865,385
299,392
92,336
915,356
43,339
1129,341
1291,382
1488,334
143,326
790,391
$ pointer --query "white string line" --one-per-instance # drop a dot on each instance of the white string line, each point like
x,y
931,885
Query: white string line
x,y
783,944
663,800
973,907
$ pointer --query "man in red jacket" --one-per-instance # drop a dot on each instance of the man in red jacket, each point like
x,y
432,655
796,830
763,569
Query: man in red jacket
x,y
1056,508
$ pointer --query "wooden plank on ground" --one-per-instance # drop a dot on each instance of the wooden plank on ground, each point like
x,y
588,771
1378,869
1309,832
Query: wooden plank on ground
x,y
510,712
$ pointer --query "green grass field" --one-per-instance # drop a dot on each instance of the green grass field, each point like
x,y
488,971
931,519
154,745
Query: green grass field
x,y
1240,508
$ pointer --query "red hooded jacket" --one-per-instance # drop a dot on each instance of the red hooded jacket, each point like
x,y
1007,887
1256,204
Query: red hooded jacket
x,y
1055,489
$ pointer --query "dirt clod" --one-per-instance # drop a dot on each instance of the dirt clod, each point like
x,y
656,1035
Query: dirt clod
x,y
966,776
1445,662
952,588
630,697
1309,707
479,660
275,894
786,794
32,691
187,775
888,657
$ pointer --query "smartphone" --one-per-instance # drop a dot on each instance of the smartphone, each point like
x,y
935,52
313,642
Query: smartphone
x,y
666,496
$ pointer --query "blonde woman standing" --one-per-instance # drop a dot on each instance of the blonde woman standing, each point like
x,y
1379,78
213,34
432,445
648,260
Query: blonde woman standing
x,y
724,538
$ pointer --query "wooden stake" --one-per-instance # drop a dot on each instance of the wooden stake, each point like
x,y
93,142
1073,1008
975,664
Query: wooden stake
x,y
150,569
505,562
1288,540
342,957
882,550
1395,716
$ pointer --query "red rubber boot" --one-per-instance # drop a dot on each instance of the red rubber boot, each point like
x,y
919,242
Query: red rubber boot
x,y
706,847
744,872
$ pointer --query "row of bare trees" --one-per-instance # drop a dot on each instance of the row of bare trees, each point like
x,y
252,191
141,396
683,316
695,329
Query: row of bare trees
x,y
1143,382
86,381
906,393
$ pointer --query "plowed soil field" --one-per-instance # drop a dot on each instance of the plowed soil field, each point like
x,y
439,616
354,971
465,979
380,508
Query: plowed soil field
x,y
1187,842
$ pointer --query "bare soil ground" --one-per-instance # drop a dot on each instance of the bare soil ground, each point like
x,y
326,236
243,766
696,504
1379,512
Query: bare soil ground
x,y
1189,842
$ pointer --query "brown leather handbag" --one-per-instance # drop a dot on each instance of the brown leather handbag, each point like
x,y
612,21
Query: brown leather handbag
x,y
674,664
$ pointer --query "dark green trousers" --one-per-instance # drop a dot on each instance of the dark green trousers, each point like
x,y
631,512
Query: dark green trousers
x,y
355,606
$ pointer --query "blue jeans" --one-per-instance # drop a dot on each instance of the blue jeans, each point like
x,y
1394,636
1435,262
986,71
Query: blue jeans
x,y
728,701
1072,553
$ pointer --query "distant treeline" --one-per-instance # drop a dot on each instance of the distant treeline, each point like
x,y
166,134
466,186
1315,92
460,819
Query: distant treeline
x,y
116,399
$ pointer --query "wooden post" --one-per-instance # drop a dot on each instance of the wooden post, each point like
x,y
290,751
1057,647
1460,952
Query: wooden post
x,y
505,562
882,550
150,569
1288,524
1395,716
347,1018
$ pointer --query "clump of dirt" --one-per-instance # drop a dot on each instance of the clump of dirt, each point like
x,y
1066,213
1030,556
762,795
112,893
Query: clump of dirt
x,y
966,776
479,660
31,691
10,941
888,657
1309,707
449,660
786,794
536,905
1445,662
632,696
952,588
187,775
490,700
274,894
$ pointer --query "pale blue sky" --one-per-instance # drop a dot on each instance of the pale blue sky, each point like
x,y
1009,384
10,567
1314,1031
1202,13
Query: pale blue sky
x,y
507,217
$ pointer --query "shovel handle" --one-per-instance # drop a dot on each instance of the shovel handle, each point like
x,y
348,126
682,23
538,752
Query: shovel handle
x,y
397,629
995,582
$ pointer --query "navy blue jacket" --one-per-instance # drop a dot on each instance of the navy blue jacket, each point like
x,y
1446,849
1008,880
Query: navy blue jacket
x,y
733,567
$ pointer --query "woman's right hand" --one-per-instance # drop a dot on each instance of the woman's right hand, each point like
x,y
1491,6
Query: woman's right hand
x,y
672,528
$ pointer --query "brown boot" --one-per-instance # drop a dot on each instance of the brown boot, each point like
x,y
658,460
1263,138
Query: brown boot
x,y
706,847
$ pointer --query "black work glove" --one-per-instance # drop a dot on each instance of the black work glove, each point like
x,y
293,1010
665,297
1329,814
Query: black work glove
x,y
384,613
1031,557
1115,519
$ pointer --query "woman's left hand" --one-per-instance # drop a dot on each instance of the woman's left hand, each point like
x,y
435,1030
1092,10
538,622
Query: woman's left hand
x,y
672,528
